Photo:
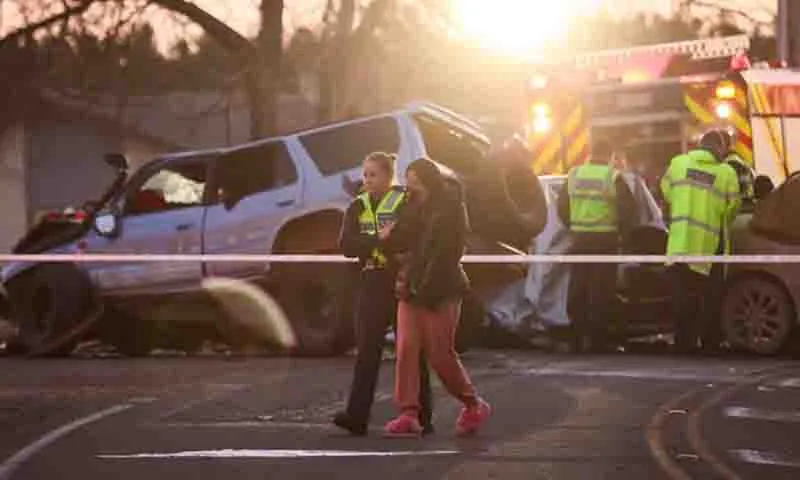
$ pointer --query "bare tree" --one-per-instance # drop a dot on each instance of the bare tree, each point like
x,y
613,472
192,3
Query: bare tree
x,y
258,59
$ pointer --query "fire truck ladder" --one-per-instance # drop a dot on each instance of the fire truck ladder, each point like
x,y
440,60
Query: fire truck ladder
x,y
696,49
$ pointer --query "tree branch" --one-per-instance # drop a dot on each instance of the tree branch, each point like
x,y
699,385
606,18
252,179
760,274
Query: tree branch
x,y
29,30
229,38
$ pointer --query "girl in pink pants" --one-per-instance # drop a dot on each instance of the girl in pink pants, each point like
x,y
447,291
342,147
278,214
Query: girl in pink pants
x,y
430,236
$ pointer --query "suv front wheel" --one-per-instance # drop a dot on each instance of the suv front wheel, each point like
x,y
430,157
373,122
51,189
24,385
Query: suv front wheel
x,y
53,308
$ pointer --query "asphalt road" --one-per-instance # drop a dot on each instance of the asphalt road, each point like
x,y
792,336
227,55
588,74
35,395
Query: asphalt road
x,y
619,416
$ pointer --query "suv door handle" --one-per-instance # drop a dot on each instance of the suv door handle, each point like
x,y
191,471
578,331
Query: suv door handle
x,y
285,203
184,226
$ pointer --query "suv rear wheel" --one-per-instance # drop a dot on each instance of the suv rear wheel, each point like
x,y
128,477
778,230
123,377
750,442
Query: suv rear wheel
x,y
318,300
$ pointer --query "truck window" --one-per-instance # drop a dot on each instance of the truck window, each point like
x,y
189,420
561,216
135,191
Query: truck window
x,y
450,146
253,170
174,186
345,147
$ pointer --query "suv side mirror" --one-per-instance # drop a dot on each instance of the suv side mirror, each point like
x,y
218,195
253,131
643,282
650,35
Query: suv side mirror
x,y
106,225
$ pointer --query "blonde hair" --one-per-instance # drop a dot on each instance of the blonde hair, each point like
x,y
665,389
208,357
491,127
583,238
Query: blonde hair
x,y
386,161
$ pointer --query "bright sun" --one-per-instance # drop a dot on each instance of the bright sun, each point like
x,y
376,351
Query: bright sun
x,y
517,27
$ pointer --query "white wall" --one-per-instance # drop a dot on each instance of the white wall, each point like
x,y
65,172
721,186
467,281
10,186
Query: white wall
x,y
13,206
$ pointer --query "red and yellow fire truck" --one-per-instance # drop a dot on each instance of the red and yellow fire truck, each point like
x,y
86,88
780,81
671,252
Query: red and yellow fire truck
x,y
653,101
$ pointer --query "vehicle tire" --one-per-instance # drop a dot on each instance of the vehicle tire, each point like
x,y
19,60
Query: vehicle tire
x,y
757,316
318,300
53,306
128,334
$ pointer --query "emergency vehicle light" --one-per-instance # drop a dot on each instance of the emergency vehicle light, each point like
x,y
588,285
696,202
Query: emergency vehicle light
x,y
541,110
723,110
541,125
726,91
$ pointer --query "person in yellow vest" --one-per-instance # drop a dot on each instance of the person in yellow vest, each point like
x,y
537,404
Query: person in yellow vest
x,y
597,206
366,224
702,197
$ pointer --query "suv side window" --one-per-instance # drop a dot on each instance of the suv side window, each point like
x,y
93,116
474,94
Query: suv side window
x,y
257,169
451,147
179,185
345,147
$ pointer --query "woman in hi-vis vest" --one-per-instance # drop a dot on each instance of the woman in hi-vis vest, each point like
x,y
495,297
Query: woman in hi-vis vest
x,y
367,221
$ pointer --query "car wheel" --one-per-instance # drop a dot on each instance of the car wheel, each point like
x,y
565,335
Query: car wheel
x,y
757,316
318,300
54,307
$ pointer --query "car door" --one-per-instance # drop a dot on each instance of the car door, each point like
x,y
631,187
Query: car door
x,y
162,212
257,188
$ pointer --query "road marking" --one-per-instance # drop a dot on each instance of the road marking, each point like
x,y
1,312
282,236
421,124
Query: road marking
x,y
8,467
631,374
244,424
789,383
758,414
228,453
765,458
655,438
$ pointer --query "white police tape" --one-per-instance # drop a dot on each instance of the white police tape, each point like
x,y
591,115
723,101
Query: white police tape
x,y
475,259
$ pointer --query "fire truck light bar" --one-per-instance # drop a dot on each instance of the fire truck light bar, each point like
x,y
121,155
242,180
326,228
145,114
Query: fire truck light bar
x,y
696,49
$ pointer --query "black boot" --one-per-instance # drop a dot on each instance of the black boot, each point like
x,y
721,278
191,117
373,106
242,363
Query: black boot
x,y
344,421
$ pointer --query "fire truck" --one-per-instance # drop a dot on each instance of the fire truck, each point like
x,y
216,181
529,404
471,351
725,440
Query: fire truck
x,y
653,101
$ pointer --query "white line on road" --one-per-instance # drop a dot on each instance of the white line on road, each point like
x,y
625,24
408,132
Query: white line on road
x,y
765,458
210,454
790,383
638,374
758,414
243,424
8,467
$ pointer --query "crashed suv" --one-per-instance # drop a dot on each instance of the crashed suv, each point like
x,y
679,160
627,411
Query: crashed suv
x,y
283,195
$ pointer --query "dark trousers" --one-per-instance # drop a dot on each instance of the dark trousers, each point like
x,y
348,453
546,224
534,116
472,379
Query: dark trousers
x,y
591,302
376,310
696,299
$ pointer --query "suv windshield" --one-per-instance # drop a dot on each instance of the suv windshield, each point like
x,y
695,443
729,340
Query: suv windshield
x,y
451,146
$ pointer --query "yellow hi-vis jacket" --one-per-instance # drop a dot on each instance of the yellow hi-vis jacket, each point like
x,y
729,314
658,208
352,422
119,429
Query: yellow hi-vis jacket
x,y
703,197
371,221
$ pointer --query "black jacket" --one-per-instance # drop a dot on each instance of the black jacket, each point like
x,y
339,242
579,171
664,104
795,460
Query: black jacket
x,y
433,238
352,242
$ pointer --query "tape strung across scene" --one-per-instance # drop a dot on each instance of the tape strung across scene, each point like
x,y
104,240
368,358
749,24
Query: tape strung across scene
x,y
478,259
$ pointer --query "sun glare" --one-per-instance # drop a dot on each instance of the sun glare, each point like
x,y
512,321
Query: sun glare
x,y
517,27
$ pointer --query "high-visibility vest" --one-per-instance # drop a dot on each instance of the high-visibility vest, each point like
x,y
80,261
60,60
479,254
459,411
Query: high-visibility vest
x,y
744,176
703,196
592,198
371,221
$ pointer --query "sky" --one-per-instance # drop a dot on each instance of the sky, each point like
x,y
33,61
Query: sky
x,y
482,19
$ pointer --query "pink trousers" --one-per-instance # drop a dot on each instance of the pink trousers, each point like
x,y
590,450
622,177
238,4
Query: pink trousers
x,y
434,332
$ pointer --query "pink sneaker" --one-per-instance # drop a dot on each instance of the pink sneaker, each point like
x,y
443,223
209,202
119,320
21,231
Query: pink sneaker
x,y
472,418
403,426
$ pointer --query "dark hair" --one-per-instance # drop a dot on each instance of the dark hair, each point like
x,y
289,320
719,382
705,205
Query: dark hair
x,y
428,173
384,160
602,149
716,141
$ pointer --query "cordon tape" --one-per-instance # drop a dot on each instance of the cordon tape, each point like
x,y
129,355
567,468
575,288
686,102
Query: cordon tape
x,y
479,259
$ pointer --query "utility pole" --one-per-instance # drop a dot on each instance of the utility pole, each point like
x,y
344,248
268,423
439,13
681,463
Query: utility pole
x,y
788,35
